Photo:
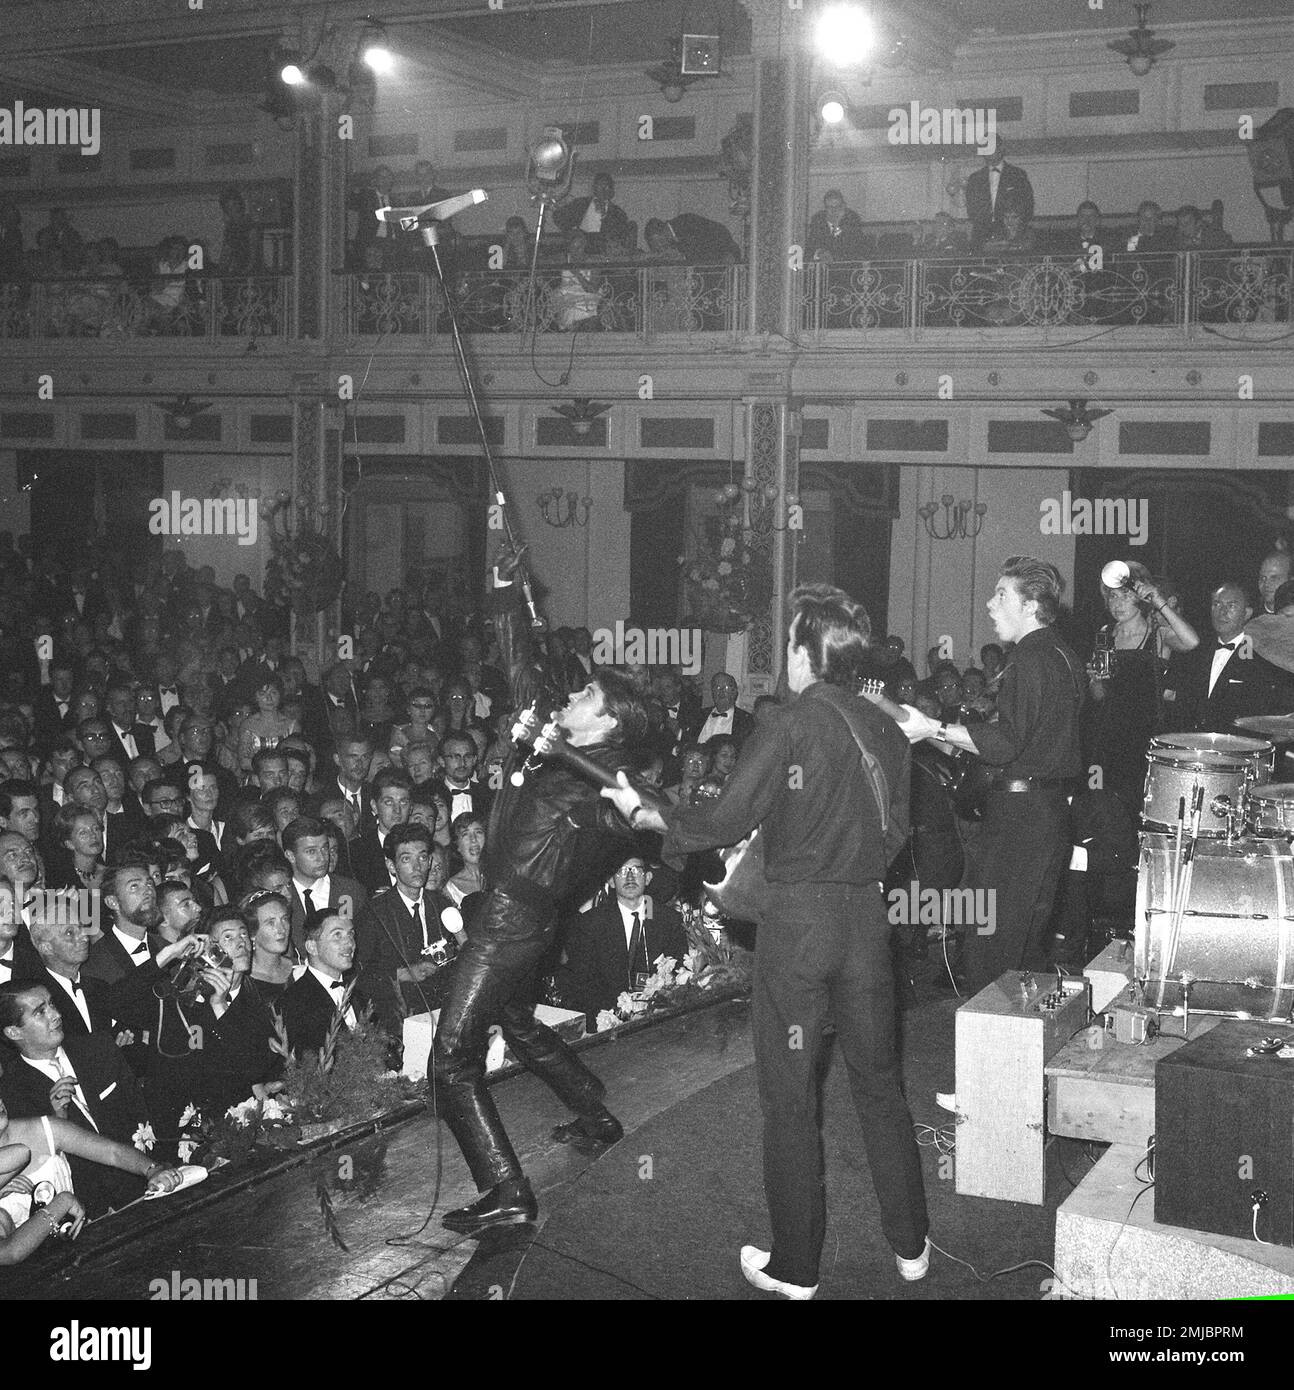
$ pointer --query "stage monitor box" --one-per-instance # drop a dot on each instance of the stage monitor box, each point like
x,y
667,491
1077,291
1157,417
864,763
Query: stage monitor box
x,y
1224,1128
1006,1035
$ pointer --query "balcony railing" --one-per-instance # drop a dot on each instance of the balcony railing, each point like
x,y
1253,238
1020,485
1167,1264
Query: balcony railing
x,y
1175,289
632,300
209,307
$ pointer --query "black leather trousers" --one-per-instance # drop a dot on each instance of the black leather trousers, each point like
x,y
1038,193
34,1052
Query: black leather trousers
x,y
490,984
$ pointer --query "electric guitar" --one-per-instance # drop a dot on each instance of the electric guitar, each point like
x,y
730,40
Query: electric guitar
x,y
549,742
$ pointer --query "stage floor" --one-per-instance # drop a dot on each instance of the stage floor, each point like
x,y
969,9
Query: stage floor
x,y
662,1215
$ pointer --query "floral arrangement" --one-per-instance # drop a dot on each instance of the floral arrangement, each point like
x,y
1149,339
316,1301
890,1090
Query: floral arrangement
x,y
712,964
726,588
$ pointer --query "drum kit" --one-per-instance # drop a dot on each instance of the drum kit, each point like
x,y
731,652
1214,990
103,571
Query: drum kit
x,y
1215,883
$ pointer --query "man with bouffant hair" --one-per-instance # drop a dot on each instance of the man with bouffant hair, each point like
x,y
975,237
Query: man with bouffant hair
x,y
826,778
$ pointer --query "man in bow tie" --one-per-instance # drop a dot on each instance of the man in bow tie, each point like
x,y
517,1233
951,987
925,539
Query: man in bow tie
x,y
1225,680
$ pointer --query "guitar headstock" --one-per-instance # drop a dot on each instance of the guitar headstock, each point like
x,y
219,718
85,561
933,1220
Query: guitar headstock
x,y
550,739
523,731
871,689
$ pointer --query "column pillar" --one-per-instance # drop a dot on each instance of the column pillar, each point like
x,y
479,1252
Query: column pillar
x,y
319,213
772,475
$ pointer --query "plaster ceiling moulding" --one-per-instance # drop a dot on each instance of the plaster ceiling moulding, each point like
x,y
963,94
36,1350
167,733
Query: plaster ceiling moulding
x,y
85,84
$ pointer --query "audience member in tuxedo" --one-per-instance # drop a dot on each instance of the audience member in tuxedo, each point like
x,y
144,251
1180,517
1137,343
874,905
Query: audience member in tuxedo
x,y
352,760
315,887
418,927
269,919
204,797
18,958
310,1004
835,232
20,808
467,833
990,189
62,943
1100,884
195,740
75,856
598,215
613,947
300,761
1222,681
130,896
148,717
1150,234
130,736
340,698
81,1079
161,799
458,788
269,770
389,801
63,757
122,802
140,772
54,702
680,711
20,864
724,716
199,870
376,243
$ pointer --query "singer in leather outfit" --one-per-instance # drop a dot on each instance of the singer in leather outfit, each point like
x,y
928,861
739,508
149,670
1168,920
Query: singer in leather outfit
x,y
541,835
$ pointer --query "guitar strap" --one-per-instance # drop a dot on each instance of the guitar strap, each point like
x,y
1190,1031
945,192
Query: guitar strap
x,y
875,773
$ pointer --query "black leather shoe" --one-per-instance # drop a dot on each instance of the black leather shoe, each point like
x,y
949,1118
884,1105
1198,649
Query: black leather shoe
x,y
511,1203
591,1133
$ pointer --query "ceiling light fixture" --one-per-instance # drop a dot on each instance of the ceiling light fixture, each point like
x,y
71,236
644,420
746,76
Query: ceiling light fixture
x,y
1141,48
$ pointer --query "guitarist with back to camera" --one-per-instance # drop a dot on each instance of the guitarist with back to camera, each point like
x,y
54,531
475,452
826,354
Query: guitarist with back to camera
x,y
541,834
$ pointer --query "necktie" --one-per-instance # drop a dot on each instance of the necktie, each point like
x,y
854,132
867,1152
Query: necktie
x,y
308,899
139,952
76,1112
421,923
338,986
75,986
1229,646
637,948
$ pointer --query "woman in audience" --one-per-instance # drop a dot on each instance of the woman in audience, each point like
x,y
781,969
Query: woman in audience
x,y
467,832
267,725
78,833
269,919
694,762
457,712
1125,708
723,757
250,821
418,729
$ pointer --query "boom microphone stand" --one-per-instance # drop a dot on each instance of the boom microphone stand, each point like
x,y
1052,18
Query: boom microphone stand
x,y
431,232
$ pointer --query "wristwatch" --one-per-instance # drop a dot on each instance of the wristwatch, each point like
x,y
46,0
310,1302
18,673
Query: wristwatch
x,y
943,733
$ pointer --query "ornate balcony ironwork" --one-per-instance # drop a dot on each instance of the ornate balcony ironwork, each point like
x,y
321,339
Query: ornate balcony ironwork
x,y
209,307
1175,289
644,301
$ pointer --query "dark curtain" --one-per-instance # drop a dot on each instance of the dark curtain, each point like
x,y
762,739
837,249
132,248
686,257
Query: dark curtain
x,y
62,484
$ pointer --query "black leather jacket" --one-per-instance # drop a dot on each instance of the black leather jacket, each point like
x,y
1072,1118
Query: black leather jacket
x,y
549,836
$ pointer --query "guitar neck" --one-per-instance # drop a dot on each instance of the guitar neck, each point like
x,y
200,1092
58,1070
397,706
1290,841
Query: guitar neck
x,y
579,761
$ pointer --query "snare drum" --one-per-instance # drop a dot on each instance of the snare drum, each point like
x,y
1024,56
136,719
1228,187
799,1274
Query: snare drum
x,y
1227,766
1269,810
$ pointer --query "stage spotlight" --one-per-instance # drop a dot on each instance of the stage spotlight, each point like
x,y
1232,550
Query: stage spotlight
x,y
549,156
373,50
832,108
845,35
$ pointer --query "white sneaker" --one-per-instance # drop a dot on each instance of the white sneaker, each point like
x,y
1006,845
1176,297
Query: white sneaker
x,y
946,1100
912,1270
753,1261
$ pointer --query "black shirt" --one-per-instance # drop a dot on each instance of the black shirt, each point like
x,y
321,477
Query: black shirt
x,y
800,777
1036,733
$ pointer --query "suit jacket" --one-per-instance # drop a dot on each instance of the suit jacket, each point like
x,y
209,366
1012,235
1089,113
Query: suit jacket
x,y
144,741
26,962
482,797
702,241
368,862
120,827
985,215
235,1053
96,995
109,960
308,1010
114,1099
742,723
596,969
400,945
615,220
340,887
848,243
48,718
1245,686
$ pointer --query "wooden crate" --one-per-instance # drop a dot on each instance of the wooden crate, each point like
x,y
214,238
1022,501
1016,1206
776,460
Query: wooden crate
x,y
1004,1039
1106,1092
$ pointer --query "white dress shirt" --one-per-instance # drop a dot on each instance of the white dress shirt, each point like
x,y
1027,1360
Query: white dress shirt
x,y
320,891
6,967
417,908
716,724
127,740
461,799
132,944
77,997
56,1069
1221,655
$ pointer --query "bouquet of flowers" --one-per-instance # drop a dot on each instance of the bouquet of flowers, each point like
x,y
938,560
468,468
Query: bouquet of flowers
x,y
725,588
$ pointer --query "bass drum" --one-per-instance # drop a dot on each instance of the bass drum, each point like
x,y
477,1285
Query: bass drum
x,y
1235,946
1226,766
